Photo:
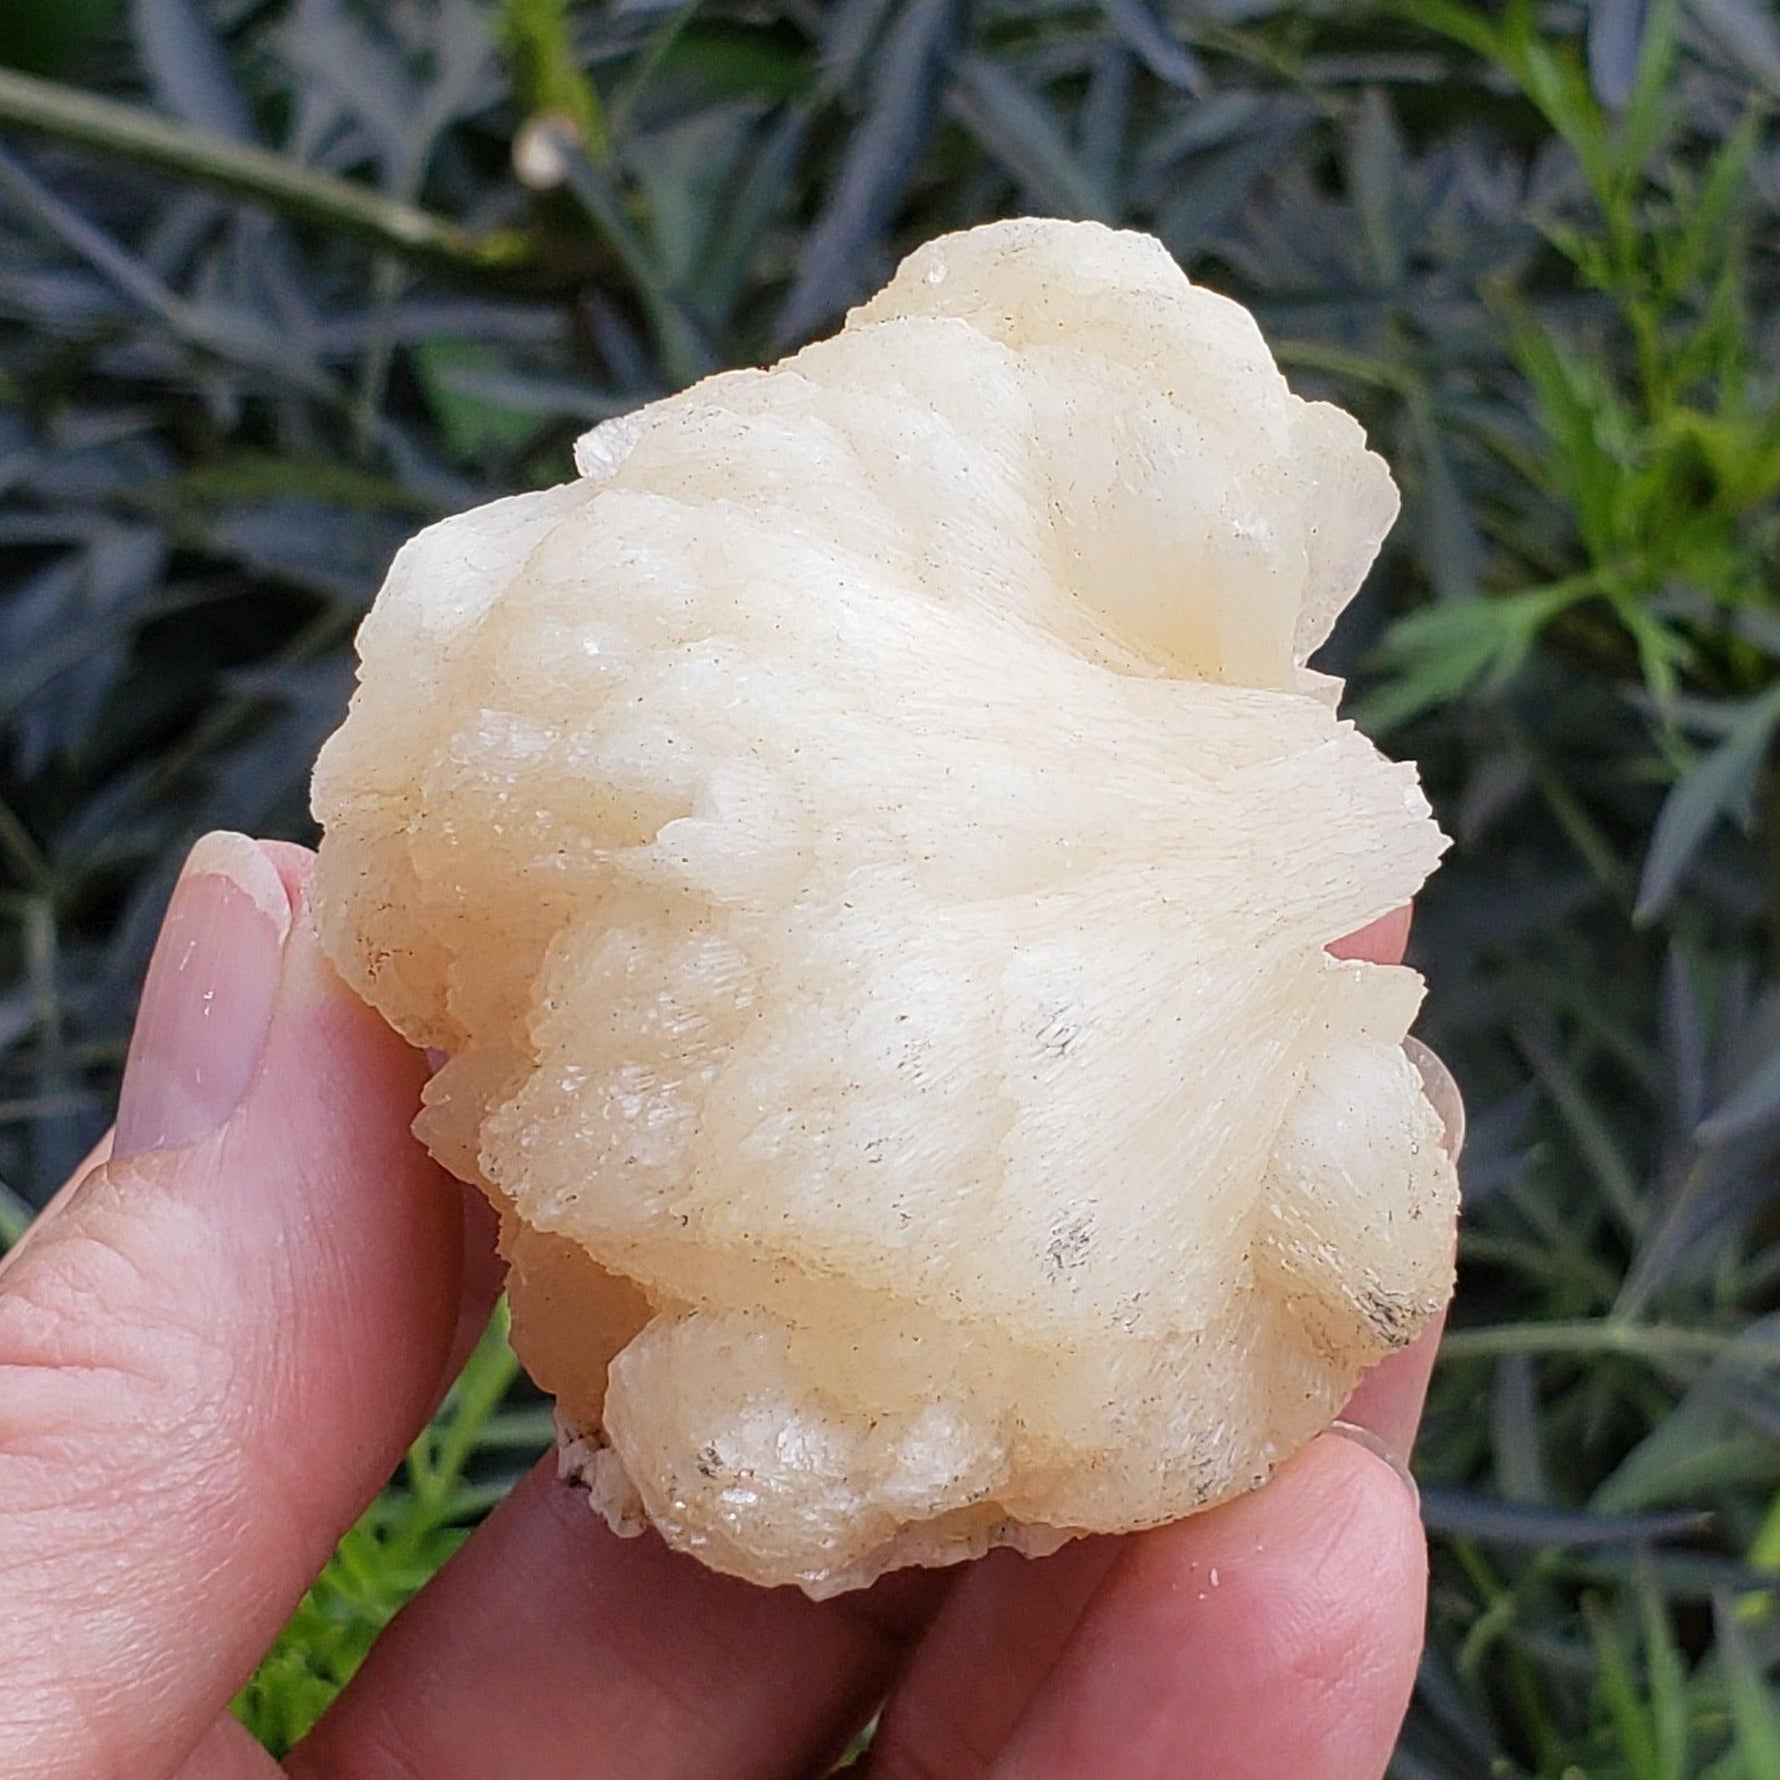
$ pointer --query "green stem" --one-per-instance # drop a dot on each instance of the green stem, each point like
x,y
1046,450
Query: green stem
x,y
1647,1341
549,77
149,139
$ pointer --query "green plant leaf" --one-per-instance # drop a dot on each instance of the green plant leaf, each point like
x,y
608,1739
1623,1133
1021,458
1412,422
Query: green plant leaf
x,y
1666,1677
474,424
186,63
1615,47
15,1217
1375,158
1720,784
907,75
1016,126
1623,1697
1749,30
1137,22
1443,652
1754,1720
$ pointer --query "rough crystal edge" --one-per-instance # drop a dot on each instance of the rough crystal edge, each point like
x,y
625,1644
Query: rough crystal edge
x,y
585,1460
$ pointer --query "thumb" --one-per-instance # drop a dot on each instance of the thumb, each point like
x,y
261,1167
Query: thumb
x,y
216,1346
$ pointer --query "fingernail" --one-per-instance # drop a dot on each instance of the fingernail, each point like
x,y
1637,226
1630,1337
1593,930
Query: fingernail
x,y
207,1003
1442,1092
1380,1449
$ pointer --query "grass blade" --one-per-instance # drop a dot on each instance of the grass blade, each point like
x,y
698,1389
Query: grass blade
x,y
1623,1698
686,350
1666,1678
1215,185
748,216
1754,1721
548,77
15,1217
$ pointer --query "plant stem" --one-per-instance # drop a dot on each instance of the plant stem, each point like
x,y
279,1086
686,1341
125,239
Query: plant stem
x,y
1649,1341
547,74
149,139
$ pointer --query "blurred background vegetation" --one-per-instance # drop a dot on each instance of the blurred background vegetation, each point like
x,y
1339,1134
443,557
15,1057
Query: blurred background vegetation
x,y
273,294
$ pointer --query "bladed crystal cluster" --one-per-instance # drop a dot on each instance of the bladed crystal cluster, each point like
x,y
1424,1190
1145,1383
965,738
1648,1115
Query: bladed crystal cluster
x,y
867,848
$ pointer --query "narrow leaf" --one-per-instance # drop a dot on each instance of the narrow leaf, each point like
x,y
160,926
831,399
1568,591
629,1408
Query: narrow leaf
x,y
1375,171
1666,1674
546,72
1104,122
748,215
1515,1431
1754,1101
1025,136
1722,783
15,1217
187,68
847,35
1214,186
1462,1514
686,351
1599,1137
1615,48
1623,1697
1455,548
1137,23
1749,31
908,76
1443,652
1684,1039
1753,1716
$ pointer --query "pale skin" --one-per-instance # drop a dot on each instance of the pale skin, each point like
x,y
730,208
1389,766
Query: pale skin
x,y
216,1344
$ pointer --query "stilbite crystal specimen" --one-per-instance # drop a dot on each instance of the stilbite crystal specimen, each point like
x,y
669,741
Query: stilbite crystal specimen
x,y
868,847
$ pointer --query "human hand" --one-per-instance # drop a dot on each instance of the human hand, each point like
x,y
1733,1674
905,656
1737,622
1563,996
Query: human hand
x,y
217,1342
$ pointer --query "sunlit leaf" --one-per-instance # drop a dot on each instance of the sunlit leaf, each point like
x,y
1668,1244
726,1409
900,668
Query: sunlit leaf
x,y
1441,652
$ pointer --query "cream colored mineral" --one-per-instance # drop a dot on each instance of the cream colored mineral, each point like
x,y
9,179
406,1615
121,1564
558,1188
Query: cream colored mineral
x,y
868,848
